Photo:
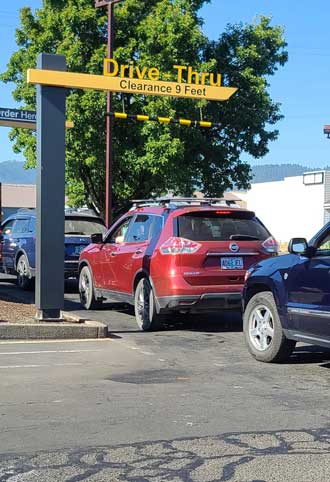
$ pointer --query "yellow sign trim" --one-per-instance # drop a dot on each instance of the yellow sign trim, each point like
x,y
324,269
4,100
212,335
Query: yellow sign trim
x,y
27,125
122,84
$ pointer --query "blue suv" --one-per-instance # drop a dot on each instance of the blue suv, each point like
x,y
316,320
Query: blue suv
x,y
287,299
18,236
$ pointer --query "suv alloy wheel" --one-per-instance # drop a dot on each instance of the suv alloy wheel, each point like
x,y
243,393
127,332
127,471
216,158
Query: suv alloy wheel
x,y
263,330
144,306
24,277
86,290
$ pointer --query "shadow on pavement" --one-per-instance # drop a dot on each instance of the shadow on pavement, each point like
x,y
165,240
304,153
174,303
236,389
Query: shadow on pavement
x,y
310,355
206,323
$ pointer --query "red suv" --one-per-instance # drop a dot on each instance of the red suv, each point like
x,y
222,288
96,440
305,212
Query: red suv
x,y
168,255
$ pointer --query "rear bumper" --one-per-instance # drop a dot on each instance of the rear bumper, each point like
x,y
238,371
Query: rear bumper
x,y
71,269
206,302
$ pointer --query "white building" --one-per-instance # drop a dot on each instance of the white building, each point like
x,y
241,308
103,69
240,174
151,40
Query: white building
x,y
16,196
295,207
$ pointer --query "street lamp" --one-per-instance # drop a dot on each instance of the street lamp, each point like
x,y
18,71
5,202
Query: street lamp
x,y
109,120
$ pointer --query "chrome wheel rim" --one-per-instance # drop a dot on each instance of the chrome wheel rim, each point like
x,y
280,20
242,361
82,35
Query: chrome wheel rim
x,y
261,328
22,270
143,307
140,305
85,288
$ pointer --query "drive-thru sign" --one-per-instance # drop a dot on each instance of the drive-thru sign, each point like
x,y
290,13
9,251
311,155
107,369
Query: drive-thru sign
x,y
52,79
129,85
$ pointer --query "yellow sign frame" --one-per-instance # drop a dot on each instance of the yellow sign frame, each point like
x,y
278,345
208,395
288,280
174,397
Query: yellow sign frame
x,y
72,80
27,125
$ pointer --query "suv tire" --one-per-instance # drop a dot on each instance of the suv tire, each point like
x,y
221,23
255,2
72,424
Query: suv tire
x,y
144,306
86,290
24,276
263,330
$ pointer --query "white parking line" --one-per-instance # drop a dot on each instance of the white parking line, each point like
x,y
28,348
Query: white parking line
x,y
6,367
46,351
2,367
36,342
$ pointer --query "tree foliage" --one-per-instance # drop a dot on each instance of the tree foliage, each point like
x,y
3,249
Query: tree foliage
x,y
151,158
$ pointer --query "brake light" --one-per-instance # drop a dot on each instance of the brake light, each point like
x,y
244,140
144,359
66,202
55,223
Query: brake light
x,y
176,245
223,212
271,245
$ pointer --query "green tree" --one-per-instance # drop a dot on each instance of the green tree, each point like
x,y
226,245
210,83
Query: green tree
x,y
151,158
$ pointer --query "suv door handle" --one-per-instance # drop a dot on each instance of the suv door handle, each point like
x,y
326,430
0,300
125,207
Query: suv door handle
x,y
113,253
139,251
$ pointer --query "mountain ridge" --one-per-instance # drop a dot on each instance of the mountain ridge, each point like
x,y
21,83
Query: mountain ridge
x,y
13,172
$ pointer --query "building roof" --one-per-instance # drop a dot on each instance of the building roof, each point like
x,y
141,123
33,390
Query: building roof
x,y
18,195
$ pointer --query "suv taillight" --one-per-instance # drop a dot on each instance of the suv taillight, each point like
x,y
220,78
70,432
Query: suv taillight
x,y
176,245
271,245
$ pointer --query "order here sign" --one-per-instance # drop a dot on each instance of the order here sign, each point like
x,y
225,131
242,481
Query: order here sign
x,y
11,117
21,118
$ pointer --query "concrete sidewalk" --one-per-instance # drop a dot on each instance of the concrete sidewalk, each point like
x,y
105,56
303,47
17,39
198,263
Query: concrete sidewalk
x,y
21,325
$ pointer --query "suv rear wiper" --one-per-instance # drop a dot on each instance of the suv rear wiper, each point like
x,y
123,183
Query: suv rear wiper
x,y
76,232
244,237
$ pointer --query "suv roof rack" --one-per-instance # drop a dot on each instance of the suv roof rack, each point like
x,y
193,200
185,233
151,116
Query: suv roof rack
x,y
26,210
86,211
175,202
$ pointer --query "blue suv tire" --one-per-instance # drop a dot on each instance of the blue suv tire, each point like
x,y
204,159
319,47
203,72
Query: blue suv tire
x,y
263,330
24,276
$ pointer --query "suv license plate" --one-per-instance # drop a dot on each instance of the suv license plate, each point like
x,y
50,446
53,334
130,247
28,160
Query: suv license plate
x,y
232,263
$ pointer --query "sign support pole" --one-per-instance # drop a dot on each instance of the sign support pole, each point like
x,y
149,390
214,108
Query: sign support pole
x,y
109,121
50,193
109,125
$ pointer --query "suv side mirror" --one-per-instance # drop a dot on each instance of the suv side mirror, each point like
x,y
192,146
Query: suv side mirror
x,y
298,246
97,238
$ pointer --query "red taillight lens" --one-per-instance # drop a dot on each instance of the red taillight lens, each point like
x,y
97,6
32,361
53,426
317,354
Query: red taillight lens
x,y
179,246
271,245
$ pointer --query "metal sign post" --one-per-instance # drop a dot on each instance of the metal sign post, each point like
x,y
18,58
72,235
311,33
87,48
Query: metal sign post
x,y
52,79
109,121
50,193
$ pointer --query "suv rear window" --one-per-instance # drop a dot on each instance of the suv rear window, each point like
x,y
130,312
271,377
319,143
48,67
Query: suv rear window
x,y
83,226
213,226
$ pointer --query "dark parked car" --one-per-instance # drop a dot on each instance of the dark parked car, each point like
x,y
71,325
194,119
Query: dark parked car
x,y
170,255
18,236
287,299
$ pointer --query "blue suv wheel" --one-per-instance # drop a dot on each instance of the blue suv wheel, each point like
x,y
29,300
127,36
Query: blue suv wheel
x,y
263,330
24,276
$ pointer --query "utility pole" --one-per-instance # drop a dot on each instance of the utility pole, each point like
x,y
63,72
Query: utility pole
x,y
109,120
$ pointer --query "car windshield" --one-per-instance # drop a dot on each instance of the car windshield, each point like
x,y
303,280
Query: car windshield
x,y
239,226
83,226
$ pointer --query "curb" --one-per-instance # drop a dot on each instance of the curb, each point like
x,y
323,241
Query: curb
x,y
53,330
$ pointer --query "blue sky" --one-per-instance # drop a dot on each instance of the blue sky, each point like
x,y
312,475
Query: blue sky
x,y
301,85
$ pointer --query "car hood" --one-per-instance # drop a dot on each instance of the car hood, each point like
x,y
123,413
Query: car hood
x,y
268,266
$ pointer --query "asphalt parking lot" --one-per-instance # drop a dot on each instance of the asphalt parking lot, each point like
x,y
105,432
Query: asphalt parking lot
x,y
186,403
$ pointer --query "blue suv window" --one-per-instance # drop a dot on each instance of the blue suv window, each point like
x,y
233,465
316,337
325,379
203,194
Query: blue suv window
x,y
8,227
323,248
21,226
32,225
